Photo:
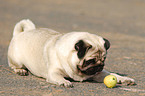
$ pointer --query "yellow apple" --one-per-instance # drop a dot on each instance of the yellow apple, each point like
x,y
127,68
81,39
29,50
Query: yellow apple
x,y
110,81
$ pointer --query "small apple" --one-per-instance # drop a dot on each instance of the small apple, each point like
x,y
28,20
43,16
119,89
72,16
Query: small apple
x,y
110,81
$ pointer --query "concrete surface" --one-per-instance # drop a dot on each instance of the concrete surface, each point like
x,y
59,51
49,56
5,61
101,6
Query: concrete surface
x,y
120,21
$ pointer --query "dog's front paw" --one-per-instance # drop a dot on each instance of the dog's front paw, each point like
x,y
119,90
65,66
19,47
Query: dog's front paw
x,y
66,83
60,81
126,81
21,72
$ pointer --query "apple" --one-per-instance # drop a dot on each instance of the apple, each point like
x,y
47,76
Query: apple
x,y
110,81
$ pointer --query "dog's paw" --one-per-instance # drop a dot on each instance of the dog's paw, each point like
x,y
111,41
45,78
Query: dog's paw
x,y
60,81
124,80
127,81
21,72
66,83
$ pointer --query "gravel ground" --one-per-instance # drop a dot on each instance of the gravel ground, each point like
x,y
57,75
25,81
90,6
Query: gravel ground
x,y
120,21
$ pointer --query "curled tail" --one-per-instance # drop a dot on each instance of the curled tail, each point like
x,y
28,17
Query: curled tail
x,y
22,26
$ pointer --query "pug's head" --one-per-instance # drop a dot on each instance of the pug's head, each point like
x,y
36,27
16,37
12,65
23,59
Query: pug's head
x,y
91,56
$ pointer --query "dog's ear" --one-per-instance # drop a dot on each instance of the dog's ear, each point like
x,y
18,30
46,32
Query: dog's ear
x,y
82,48
106,44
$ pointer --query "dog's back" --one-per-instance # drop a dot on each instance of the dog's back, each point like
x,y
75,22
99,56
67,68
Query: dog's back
x,y
27,47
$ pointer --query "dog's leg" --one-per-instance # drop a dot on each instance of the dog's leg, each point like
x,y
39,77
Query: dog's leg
x,y
58,79
123,80
18,68
120,79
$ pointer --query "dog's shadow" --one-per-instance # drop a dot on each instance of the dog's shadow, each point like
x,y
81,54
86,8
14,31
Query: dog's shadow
x,y
120,74
90,80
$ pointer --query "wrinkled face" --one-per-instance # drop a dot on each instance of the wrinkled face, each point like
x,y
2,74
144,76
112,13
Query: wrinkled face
x,y
91,58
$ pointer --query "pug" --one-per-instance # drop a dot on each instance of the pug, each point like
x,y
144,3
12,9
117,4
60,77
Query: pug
x,y
55,56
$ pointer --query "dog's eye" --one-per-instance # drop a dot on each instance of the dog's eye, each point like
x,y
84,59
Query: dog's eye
x,y
90,47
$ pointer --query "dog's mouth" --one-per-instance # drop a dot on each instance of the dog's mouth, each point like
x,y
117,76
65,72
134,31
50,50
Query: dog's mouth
x,y
90,67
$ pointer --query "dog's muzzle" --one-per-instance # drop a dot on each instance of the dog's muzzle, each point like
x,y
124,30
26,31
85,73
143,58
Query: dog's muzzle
x,y
91,67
